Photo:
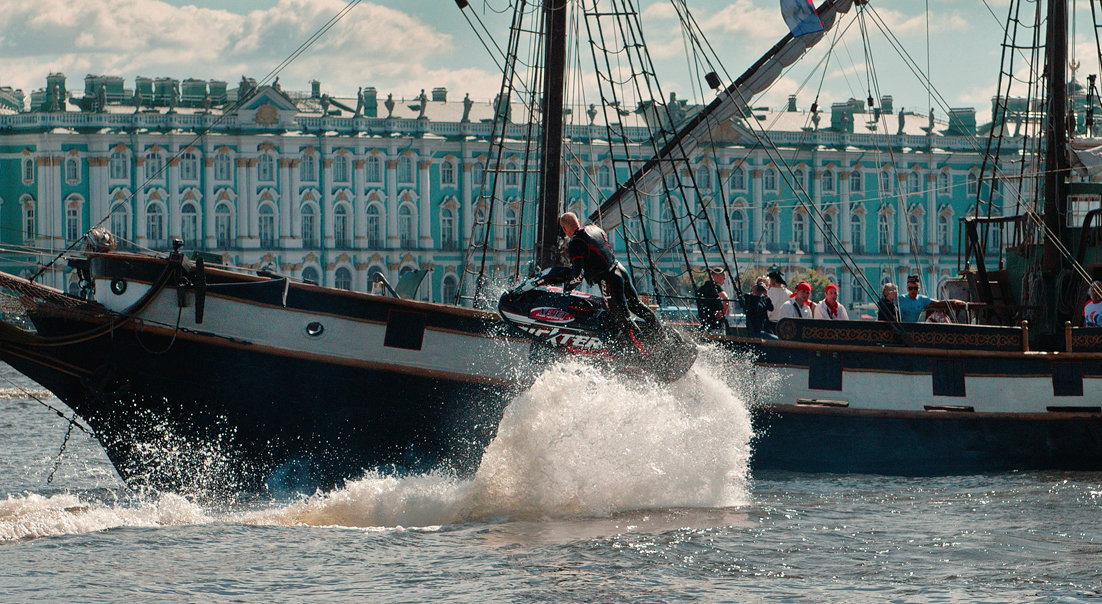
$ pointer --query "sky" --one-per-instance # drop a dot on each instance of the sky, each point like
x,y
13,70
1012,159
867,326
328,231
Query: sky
x,y
402,46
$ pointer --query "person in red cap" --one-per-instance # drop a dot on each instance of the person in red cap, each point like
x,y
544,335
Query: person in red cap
x,y
830,308
798,306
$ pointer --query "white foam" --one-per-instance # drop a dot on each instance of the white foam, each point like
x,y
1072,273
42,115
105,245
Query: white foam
x,y
31,516
577,444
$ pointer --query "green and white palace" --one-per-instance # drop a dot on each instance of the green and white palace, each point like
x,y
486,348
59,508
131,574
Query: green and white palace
x,y
334,189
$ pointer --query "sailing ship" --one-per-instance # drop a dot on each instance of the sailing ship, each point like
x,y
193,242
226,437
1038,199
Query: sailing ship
x,y
1017,384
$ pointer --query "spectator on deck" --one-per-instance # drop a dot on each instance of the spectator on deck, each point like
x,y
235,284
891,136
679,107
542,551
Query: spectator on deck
x,y
886,307
712,303
778,293
799,305
830,308
912,305
1092,310
756,305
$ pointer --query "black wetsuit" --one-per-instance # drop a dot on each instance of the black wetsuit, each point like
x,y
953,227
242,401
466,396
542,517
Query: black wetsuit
x,y
709,306
591,256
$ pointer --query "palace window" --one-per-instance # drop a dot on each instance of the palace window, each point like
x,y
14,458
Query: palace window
x,y
223,167
309,227
604,176
265,168
914,222
510,229
828,181
704,178
155,224
405,227
189,214
342,278
340,168
738,179
668,228
738,229
476,174
267,224
374,234
405,170
857,233
448,239
120,222
119,166
770,231
511,175
799,182
447,173
855,181
884,233
914,183
72,223
885,182
154,166
944,233
799,232
943,183
973,184
30,227
28,170
373,167
450,289
310,275
828,226
769,180
223,226
72,170
308,168
480,234
340,226
189,166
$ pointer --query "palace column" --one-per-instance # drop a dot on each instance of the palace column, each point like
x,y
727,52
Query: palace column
x,y
816,223
293,201
425,195
174,223
286,202
846,210
242,201
902,225
329,239
758,210
210,238
97,189
931,213
253,202
392,203
465,200
359,227
140,235
50,212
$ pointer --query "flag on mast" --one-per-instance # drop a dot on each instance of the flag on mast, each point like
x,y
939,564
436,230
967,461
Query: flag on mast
x,y
801,17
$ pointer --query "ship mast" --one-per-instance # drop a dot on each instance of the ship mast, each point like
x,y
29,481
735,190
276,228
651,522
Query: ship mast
x,y
1056,163
554,66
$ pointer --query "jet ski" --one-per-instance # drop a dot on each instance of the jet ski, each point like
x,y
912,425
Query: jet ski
x,y
562,324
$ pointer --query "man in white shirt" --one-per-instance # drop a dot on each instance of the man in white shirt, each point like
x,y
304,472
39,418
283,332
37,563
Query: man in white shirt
x,y
777,292
1092,310
830,308
798,306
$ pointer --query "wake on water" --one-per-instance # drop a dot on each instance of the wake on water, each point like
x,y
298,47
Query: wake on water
x,y
577,444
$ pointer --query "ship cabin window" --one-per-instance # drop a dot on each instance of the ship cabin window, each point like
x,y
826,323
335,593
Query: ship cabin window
x,y
340,226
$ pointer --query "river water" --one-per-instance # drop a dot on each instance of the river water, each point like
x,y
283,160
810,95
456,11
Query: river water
x,y
594,490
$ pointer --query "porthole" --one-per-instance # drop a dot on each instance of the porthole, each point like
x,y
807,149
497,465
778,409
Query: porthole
x,y
314,329
118,287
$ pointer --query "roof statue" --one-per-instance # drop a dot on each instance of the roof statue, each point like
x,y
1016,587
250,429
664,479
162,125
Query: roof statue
x,y
389,104
467,102
424,104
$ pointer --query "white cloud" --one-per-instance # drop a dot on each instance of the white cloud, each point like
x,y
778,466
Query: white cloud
x,y
373,45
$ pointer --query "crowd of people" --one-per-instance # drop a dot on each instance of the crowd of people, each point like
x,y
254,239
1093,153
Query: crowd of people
x,y
769,300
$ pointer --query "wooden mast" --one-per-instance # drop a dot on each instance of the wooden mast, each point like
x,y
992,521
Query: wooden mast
x,y
554,66
1056,134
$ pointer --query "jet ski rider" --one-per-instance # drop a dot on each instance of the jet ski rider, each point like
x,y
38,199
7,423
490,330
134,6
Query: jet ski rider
x,y
590,255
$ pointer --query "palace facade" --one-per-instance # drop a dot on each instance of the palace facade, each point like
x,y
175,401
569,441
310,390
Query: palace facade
x,y
333,189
